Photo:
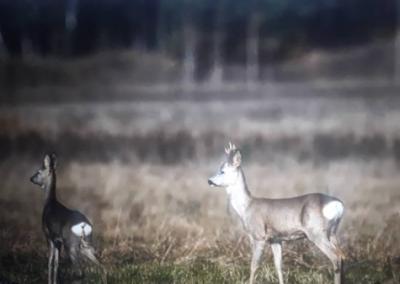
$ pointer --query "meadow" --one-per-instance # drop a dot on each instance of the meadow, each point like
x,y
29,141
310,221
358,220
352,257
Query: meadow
x,y
139,170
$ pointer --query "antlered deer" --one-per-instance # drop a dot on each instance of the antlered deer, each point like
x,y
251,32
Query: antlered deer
x,y
314,216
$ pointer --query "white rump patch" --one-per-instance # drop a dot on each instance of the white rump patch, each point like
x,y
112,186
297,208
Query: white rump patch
x,y
333,209
81,229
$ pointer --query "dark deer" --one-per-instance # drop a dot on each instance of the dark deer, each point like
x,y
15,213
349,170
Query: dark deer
x,y
62,227
314,216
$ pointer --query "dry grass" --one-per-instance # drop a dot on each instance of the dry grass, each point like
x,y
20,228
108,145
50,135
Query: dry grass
x,y
157,221
168,215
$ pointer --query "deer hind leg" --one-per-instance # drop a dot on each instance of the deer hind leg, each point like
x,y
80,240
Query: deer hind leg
x,y
258,249
73,253
88,251
333,238
329,249
277,253
335,244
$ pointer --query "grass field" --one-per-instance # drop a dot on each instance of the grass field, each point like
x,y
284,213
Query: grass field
x,y
139,170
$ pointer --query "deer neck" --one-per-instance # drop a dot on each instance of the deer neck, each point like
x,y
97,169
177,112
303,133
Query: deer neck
x,y
50,188
239,195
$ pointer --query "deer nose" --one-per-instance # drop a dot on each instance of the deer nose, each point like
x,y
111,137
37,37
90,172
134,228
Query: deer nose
x,y
210,182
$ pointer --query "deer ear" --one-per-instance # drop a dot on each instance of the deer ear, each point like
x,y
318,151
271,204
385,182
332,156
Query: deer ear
x,y
237,159
47,161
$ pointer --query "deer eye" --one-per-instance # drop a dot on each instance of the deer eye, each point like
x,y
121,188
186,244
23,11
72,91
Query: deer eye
x,y
222,171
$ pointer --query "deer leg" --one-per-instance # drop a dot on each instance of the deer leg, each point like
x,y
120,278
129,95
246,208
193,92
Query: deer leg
x,y
73,253
258,248
277,253
56,259
333,238
51,261
339,276
335,243
89,252
331,252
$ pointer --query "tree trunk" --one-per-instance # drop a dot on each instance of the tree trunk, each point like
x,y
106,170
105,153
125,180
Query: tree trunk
x,y
70,15
397,55
396,69
252,54
216,74
189,42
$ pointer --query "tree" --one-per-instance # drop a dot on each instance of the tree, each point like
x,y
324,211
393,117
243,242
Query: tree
x,y
11,26
216,74
397,45
252,48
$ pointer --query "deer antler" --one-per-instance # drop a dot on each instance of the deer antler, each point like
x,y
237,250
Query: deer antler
x,y
230,147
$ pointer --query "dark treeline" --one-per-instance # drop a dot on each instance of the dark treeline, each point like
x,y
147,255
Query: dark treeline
x,y
219,27
167,148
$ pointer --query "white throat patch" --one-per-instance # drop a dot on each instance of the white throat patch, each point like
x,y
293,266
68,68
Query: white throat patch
x,y
81,229
332,210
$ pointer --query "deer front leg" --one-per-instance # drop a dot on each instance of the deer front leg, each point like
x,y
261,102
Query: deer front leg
x,y
50,264
277,253
258,249
56,259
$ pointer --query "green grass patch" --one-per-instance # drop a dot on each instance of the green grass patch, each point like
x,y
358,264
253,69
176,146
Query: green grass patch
x,y
32,268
